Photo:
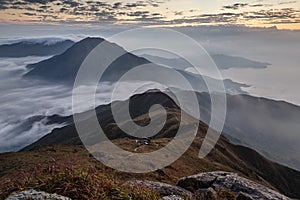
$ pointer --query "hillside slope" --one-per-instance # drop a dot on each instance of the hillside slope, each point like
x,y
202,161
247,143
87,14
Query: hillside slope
x,y
63,68
225,156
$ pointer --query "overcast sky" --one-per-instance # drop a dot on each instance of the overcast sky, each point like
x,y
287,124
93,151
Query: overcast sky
x,y
285,14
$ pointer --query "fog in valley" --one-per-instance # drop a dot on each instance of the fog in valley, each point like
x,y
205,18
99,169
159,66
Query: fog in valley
x,y
26,103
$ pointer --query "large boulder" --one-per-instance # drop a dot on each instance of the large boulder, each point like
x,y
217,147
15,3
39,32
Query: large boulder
x,y
220,180
35,195
162,188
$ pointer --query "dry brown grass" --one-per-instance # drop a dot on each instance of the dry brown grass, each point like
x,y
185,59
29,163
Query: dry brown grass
x,y
76,182
76,172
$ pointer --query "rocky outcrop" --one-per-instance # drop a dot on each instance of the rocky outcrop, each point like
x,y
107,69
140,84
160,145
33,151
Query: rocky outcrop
x,y
212,186
162,188
34,195
205,184
172,197
207,194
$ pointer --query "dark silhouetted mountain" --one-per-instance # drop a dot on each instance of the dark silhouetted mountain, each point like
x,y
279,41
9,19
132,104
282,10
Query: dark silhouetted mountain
x,y
68,135
30,48
227,62
225,155
65,66
271,127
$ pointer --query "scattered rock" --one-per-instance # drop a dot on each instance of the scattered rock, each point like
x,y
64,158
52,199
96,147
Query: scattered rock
x,y
220,180
162,188
195,182
34,195
160,172
207,194
172,197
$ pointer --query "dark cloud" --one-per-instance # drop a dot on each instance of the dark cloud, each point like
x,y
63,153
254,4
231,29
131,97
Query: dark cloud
x,y
274,14
29,14
256,5
3,7
45,7
4,4
236,6
286,2
19,3
178,13
96,11
71,3
139,14
134,5
156,14
63,9
117,5
93,10
38,1
98,3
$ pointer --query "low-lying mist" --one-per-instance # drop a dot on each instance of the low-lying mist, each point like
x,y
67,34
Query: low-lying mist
x,y
26,104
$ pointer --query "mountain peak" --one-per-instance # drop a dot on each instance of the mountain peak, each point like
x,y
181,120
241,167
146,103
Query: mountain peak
x,y
64,67
93,40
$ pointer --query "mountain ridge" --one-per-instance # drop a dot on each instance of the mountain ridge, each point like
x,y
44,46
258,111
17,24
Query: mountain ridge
x,y
228,156
222,61
26,48
63,68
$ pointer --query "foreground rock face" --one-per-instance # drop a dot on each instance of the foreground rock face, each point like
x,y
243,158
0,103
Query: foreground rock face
x,y
206,183
205,186
34,195
162,188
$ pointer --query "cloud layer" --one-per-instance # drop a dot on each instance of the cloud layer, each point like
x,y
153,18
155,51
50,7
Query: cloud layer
x,y
147,12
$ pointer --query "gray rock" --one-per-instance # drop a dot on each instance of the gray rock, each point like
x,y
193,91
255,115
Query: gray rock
x,y
162,188
207,194
195,182
220,180
243,196
172,197
34,195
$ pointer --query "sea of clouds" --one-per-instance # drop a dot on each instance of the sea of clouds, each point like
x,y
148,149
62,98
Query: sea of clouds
x,y
22,99
26,103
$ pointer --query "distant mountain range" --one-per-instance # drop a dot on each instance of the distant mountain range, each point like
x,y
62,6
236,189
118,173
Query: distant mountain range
x,y
63,68
225,155
222,61
34,48
227,62
266,125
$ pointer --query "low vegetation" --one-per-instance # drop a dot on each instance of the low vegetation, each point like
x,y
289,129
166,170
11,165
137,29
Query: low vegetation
x,y
77,183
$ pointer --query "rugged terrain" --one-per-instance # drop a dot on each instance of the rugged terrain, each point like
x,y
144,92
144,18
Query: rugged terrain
x,y
269,126
63,147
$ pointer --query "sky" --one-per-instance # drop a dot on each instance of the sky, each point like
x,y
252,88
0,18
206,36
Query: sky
x,y
284,14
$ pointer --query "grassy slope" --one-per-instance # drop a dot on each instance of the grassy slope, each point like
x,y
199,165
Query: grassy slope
x,y
225,156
